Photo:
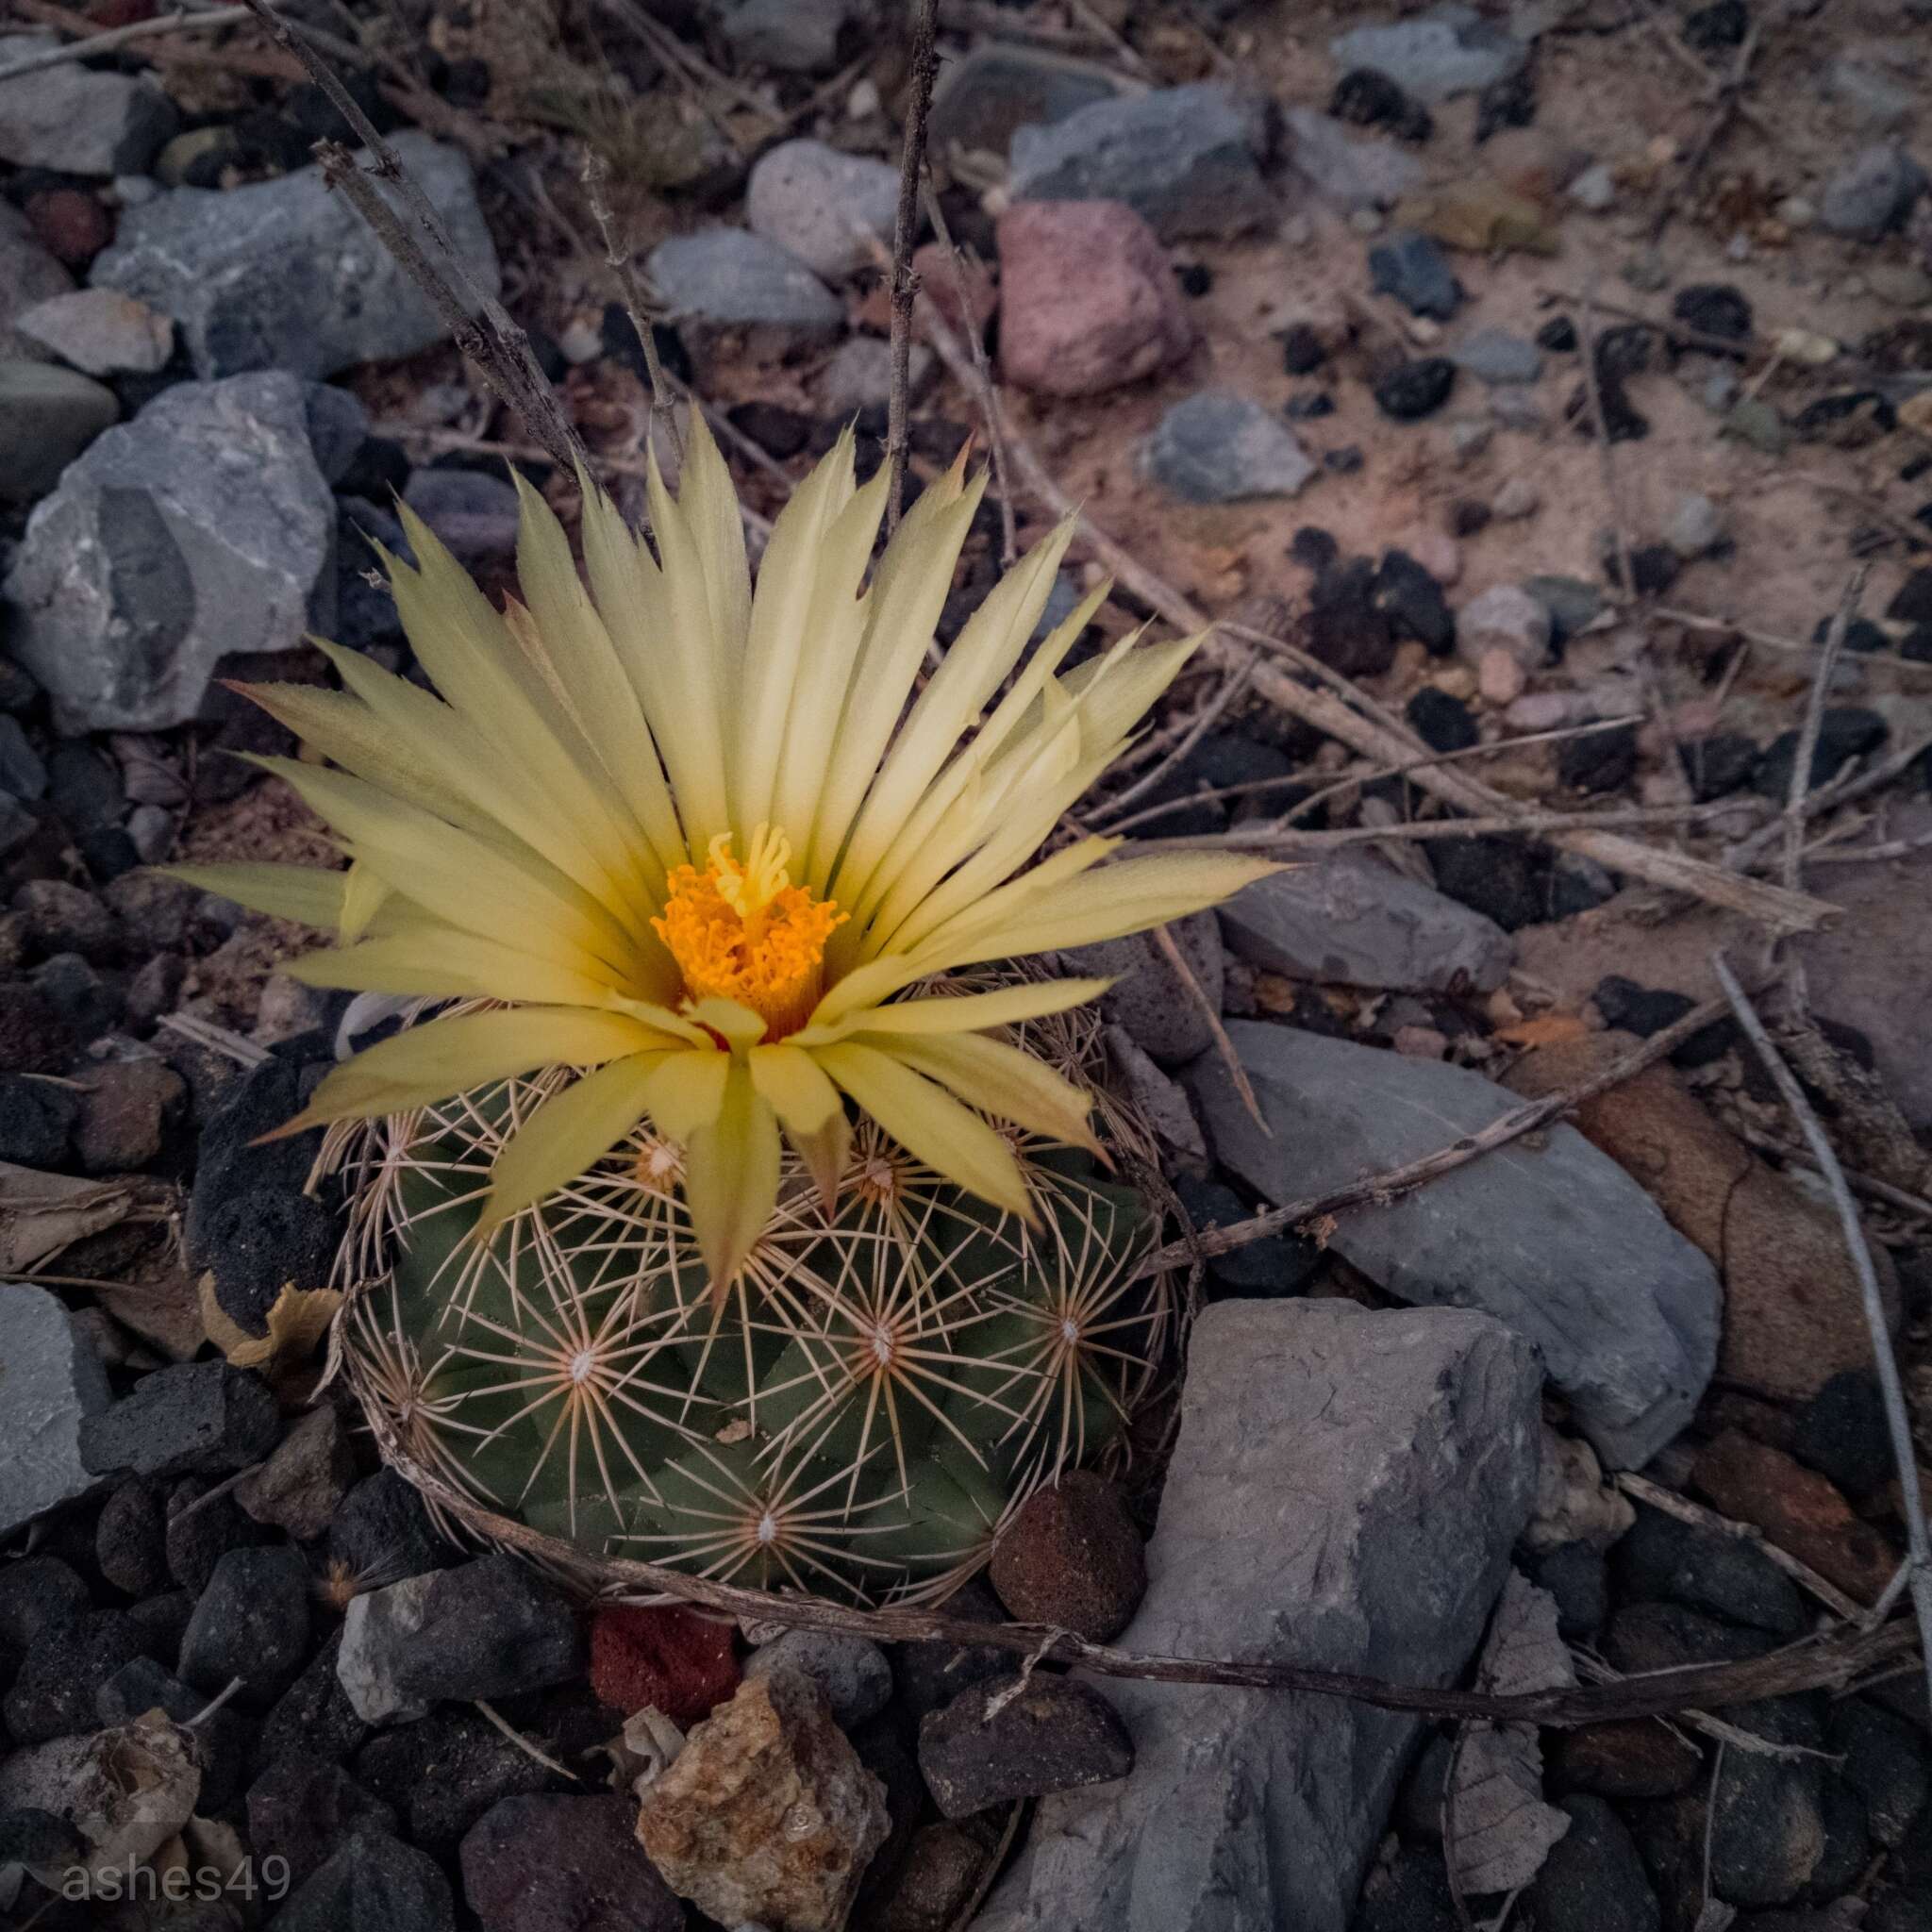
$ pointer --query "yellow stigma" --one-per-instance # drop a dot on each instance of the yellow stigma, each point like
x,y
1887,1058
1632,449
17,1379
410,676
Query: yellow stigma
x,y
746,933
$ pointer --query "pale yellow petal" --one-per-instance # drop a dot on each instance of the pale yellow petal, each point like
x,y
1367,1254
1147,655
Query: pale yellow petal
x,y
686,1091
929,1124
567,1136
809,1109
731,1179
998,1079
443,1057
304,894
970,1012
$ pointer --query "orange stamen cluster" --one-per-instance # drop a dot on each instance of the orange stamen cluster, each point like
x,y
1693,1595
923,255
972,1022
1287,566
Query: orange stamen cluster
x,y
744,932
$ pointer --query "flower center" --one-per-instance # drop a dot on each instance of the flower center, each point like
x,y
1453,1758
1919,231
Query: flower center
x,y
745,932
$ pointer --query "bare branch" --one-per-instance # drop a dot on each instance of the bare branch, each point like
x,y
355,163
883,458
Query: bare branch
x,y
905,232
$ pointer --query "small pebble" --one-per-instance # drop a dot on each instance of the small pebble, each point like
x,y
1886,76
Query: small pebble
x,y
1500,677
1518,498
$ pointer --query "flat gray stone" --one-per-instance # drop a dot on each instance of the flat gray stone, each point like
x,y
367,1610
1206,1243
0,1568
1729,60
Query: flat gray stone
x,y
1216,447
1351,171
1449,50
853,1671
1873,193
826,206
1344,1493
981,100
286,275
79,120
202,527
48,416
100,332
861,374
1347,920
27,274
787,36
1497,358
723,281
50,1379
1554,1239
1183,158
1148,998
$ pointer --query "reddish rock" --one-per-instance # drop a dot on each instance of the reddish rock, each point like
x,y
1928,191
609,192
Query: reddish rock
x,y
69,224
1088,300
1071,1558
672,1657
1797,1510
939,283
1634,1757
1793,1314
564,1864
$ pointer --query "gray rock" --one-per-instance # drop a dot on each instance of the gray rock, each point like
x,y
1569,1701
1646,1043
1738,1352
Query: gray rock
x,y
251,1622
1696,527
1505,618
1449,50
1572,603
1161,1104
861,374
48,416
78,120
1344,1493
29,274
1875,99
1215,447
374,1630
100,332
50,1381
1497,358
286,275
373,1883
723,281
1183,158
22,771
1412,269
473,513
1872,194
981,99
202,527
1556,1238
1350,171
491,1627
853,1671
338,427
1349,920
827,208
1148,998
1005,1739
788,36
194,1417
1593,190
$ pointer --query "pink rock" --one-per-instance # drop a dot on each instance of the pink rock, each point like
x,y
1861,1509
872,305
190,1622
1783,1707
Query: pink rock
x,y
1500,677
1088,300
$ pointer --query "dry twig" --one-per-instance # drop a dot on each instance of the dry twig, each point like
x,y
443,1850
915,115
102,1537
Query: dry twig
x,y
180,20
596,174
1897,1419
924,65
1814,720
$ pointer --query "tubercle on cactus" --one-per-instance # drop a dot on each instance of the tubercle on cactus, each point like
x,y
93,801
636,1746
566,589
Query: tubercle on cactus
x,y
885,1383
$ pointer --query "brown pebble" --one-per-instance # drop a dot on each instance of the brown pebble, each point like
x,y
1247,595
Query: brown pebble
x,y
1071,1558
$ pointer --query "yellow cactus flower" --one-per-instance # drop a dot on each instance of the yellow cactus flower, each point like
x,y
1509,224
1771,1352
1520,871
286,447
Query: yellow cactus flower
x,y
709,844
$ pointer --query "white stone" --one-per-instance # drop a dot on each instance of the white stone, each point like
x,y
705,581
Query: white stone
x,y
1505,618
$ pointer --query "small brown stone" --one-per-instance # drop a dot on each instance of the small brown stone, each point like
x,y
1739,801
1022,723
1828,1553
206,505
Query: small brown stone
x,y
1071,1558
1793,1316
127,1109
69,224
1088,300
767,1814
942,1868
1797,1510
1634,1757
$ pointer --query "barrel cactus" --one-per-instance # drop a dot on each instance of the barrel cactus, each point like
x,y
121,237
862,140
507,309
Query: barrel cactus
x,y
712,1210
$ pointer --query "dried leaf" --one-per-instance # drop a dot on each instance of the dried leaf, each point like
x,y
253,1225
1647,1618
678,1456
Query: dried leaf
x,y
643,1751
1547,1029
296,1324
1503,1829
42,1213
1715,1916
164,1310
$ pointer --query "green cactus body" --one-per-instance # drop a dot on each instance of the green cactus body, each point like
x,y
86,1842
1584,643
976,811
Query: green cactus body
x,y
856,1417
